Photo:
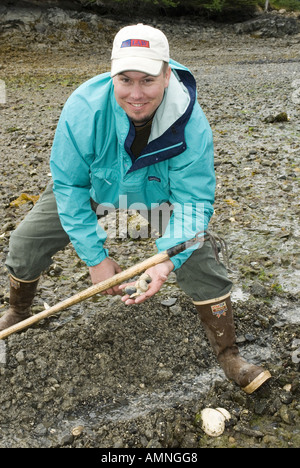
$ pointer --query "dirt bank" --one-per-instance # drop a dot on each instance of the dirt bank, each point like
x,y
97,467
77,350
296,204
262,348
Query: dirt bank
x,y
138,377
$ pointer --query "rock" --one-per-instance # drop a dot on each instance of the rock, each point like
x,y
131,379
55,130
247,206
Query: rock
x,y
261,407
20,357
9,226
66,439
248,431
130,290
176,310
169,302
258,290
281,117
269,26
154,444
249,337
164,374
40,430
286,398
286,414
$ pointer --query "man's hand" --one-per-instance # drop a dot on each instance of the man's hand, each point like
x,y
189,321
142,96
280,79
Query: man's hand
x,y
105,270
159,275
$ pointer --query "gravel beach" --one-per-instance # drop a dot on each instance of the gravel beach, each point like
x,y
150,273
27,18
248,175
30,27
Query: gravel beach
x,y
105,375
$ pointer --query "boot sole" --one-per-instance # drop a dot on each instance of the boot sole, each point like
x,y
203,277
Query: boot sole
x,y
257,382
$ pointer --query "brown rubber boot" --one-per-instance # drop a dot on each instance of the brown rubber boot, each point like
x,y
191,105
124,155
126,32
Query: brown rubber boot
x,y
21,296
217,319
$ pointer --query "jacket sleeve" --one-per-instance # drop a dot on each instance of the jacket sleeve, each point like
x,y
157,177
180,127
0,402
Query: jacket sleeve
x,y
71,156
192,186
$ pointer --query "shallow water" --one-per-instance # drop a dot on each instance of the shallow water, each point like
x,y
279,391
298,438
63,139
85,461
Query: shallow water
x,y
286,311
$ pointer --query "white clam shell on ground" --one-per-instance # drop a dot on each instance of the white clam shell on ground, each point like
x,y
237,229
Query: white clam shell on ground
x,y
213,421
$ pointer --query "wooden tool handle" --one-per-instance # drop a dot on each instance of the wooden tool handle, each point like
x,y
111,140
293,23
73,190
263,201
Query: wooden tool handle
x,y
101,287
87,293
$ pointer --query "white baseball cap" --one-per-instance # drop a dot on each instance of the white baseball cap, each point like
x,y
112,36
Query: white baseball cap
x,y
139,48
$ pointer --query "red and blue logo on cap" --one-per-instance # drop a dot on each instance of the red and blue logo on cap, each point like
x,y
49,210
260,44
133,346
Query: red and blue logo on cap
x,y
135,43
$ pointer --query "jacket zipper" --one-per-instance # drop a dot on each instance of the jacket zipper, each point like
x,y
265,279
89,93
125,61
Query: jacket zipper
x,y
161,150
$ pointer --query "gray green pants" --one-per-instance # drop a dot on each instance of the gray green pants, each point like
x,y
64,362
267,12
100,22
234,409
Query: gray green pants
x,y
40,235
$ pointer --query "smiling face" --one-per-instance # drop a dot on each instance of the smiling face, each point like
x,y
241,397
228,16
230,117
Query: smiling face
x,y
139,94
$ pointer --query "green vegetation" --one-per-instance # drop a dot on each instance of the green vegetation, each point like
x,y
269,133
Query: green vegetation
x,y
210,7
289,5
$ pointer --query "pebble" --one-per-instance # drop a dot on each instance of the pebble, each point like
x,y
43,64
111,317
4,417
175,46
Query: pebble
x,y
40,430
169,302
285,414
258,290
77,431
20,357
249,337
176,310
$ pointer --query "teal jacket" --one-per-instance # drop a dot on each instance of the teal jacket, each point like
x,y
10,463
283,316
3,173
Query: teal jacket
x,y
91,158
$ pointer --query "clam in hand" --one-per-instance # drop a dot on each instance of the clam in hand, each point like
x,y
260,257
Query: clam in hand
x,y
141,286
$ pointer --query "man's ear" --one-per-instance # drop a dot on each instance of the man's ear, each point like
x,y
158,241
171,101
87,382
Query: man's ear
x,y
167,77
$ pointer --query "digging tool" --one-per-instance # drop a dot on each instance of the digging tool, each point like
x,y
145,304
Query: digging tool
x,y
107,284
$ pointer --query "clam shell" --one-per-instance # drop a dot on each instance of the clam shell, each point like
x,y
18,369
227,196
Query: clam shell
x,y
77,431
136,294
142,285
146,277
213,421
225,413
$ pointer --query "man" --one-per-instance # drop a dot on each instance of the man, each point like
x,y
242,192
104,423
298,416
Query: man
x,y
137,134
